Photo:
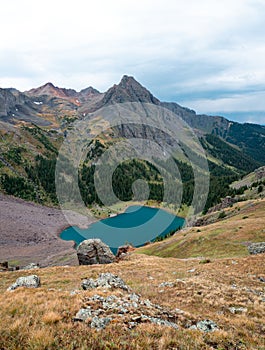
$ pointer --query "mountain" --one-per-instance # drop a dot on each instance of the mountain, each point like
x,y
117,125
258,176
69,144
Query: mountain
x,y
128,90
207,271
51,90
40,118
56,92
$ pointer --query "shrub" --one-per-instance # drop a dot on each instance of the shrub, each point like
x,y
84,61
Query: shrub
x,y
222,215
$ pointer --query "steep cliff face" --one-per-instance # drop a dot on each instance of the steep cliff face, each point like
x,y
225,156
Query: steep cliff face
x,y
201,122
7,102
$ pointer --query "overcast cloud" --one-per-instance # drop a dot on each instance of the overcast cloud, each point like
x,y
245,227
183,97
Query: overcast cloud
x,y
208,55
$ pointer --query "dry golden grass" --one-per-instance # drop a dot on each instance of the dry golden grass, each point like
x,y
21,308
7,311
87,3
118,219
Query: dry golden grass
x,y
245,223
42,318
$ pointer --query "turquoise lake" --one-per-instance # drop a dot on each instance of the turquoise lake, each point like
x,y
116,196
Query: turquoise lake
x,y
137,225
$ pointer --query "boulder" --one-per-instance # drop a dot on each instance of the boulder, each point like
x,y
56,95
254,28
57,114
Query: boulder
x,y
124,250
94,251
256,248
32,281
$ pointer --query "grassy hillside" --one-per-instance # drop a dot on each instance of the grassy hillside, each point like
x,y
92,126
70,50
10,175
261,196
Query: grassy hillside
x,y
228,237
42,318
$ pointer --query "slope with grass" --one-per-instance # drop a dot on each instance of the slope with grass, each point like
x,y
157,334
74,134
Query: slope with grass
x,y
229,236
43,318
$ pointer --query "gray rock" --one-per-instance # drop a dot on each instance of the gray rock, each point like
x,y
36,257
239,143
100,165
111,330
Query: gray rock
x,y
134,297
206,326
31,266
83,314
97,298
262,279
193,328
75,292
167,284
89,284
94,251
147,303
32,281
112,307
256,248
179,311
237,310
100,322
105,280
111,298
159,321
192,270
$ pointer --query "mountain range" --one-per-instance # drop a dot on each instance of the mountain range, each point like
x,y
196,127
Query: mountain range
x,y
33,125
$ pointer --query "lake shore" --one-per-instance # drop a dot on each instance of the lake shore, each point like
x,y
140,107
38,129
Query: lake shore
x,y
30,232
137,225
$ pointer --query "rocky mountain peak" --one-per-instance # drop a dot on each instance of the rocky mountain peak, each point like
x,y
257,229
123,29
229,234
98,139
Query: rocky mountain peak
x,y
89,91
52,90
46,89
128,90
127,81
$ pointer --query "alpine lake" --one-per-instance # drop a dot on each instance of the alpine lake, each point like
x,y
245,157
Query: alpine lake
x,y
136,226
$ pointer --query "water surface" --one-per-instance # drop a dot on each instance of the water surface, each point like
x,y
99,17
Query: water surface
x,y
137,225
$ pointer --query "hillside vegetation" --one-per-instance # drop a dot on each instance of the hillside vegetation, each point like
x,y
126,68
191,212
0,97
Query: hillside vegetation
x,y
43,318
236,226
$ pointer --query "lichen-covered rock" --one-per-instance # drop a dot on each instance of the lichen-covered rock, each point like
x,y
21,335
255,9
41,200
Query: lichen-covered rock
x,y
94,251
126,309
256,248
205,326
105,280
159,321
83,314
32,281
100,322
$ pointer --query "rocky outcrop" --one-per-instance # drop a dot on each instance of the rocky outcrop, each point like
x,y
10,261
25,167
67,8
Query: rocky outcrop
x,y
106,280
94,251
32,281
123,251
125,308
226,202
256,248
128,309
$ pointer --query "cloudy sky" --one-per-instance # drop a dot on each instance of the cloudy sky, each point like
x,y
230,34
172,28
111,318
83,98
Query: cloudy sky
x,y
208,55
